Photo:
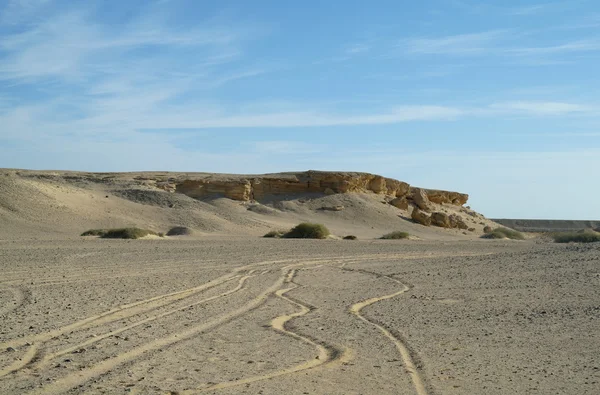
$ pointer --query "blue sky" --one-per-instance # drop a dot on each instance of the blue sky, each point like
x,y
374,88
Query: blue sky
x,y
498,99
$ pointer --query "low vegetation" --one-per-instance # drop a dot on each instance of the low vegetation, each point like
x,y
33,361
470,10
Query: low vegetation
x,y
94,232
504,233
275,234
307,230
350,237
576,237
179,231
121,233
396,236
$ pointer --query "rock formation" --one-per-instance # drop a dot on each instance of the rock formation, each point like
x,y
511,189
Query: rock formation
x,y
420,217
246,188
400,202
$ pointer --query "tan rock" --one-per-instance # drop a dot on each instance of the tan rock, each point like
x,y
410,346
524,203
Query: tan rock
x,y
447,197
441,219
259,187
456,221
400,203
419,196
420,217
378,185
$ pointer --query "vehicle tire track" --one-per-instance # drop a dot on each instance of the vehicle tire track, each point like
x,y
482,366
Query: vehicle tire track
x,y
326,354
48,357
131,309
79,378
407,359
31,354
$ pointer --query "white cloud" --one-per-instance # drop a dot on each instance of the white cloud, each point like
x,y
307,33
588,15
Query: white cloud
x,y
461,44
534,9
543,108
573,46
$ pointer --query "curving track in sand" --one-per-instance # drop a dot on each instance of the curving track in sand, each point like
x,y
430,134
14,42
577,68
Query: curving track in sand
x,y
36,359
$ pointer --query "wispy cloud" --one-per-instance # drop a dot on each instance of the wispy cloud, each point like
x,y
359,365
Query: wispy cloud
x,y
461,44
543,108
534,9
568,47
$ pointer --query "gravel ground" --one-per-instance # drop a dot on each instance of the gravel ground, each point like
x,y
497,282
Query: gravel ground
x,y
230,315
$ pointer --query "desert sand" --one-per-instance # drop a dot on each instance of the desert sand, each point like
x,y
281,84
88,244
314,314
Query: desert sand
x,y
224,311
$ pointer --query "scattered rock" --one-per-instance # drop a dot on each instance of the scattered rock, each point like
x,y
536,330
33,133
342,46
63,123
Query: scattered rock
x,y
401,203
440,219
456,221
420,217
329,191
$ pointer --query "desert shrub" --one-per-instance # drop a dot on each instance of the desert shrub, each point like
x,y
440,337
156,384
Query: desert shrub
x,y
576,237
275,234
127,233
179,231
307,230
501,233
487,229
94,232
350,237
395,236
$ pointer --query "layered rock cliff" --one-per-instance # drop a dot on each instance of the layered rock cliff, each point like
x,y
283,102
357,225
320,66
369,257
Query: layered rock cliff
x,y
246,188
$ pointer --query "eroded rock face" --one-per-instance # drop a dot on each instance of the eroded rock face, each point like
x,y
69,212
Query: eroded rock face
x,y
420,198
401,203
232,189
447,197
440,219
420,217
456,221
451,221
247,188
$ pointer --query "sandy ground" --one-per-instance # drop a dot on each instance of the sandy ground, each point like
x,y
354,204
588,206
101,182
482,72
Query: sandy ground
x,y
229,315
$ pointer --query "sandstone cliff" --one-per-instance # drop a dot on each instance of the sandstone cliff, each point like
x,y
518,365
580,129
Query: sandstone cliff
x,y
245,188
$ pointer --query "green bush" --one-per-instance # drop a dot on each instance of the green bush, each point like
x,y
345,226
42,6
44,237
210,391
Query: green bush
x,y
94,232
501,233
350,237
127,233
576,237
396,236
179,231
275,234
307,230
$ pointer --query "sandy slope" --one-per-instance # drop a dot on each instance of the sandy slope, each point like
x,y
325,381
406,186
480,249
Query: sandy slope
x,y
250,315
44,204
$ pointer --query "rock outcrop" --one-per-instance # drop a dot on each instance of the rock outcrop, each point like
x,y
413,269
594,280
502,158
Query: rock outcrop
x,y
400,202
420,198
246,188
420,217
446,197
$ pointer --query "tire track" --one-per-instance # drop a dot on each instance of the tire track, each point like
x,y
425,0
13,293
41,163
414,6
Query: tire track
x,y
325,354
49,357
128,310
78,378
19,364
402,348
